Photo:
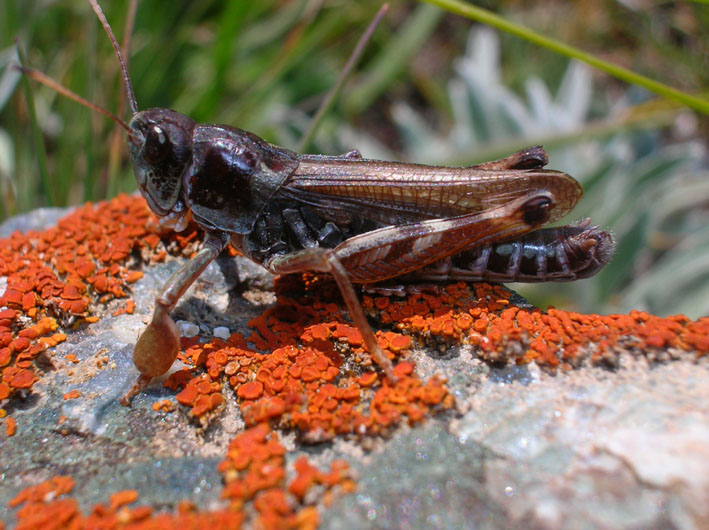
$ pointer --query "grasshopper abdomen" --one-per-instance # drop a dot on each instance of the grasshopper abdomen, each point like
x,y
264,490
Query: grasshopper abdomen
x,y
559,254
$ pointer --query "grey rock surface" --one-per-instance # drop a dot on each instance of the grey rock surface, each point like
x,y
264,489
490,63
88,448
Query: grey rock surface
x,y
588,448
35,220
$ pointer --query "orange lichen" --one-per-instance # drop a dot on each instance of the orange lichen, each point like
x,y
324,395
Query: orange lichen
x,y
121,498
60,275
308,476
481,315
10,426
164,405
303,387
73,394
254,471
41,507
303,366
51,488
252,390
127,309
19,377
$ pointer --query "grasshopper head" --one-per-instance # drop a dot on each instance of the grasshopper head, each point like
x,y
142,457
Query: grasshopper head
x,y
161,150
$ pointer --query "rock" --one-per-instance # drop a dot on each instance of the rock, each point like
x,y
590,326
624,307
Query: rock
x,y
533,424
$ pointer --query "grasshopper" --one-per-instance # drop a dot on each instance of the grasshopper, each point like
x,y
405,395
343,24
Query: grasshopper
x,y
362,221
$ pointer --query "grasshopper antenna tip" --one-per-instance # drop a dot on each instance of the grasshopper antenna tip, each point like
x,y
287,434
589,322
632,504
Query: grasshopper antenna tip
x,y
124,69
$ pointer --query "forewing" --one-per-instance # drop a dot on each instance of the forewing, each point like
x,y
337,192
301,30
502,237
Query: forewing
x,y
397,193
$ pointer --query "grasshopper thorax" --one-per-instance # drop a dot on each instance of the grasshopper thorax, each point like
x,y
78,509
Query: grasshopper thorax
x,y
160,150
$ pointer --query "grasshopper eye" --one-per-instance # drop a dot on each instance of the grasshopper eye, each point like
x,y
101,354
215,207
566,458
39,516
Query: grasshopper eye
x,y
160,158
157,145
537,211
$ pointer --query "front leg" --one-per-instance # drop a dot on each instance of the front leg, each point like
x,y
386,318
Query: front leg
x,y
325,260
158,345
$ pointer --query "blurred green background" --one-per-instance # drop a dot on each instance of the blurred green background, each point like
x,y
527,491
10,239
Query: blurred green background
x,y
431,87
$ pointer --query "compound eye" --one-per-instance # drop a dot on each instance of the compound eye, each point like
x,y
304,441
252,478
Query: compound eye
x,y
157,145
537,211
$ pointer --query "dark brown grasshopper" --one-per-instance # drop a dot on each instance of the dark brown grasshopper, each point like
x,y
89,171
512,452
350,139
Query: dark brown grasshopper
x,y
362,221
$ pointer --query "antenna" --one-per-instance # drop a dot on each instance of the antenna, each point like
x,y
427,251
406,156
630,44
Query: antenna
x,y
51,83
124,69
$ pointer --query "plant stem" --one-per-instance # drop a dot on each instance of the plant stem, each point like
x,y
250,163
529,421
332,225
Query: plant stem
x,y
335,90
491,19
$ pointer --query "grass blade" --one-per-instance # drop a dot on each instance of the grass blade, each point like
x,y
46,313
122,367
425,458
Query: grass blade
x,y
341,78
40,149
491,19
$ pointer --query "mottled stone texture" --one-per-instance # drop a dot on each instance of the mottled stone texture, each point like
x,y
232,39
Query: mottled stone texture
x,y
503,417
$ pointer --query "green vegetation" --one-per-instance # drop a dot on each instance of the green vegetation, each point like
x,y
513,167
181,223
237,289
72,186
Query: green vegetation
x,y
417,94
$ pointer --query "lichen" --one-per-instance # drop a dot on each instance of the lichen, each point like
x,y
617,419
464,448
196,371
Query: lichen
x,y
302,368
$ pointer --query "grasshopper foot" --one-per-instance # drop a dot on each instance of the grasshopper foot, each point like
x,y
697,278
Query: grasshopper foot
x,y
140,384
